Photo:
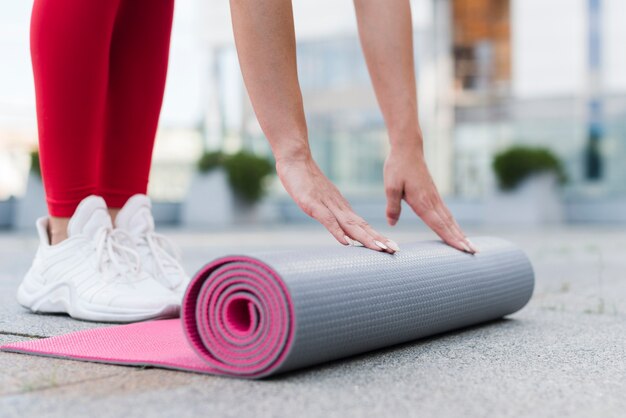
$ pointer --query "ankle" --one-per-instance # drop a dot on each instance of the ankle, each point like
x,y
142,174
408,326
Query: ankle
x,y
113,213
57,229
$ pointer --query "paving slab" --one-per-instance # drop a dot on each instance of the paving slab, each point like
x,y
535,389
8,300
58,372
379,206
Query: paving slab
x,y
563,355
533,365
27,374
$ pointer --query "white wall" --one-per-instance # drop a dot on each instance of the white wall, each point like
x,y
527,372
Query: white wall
x,y
314,19
549,46
185,90
17,92
614,45
183,100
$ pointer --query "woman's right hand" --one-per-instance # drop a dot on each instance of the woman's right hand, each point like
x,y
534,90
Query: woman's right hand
x,y
319,198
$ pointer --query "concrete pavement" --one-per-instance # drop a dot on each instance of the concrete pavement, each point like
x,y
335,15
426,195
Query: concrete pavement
x,y
563,355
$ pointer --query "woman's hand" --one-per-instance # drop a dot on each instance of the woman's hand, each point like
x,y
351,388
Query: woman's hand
x,y
266,45
319,198
407,177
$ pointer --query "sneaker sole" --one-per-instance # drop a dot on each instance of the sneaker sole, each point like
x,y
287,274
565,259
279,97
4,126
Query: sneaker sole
x,y
61,298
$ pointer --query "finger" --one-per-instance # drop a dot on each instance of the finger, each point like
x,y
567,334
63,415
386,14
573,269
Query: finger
x,y
391,245
446,216
394,204
440,227
358,234
351,223
324,216
426,208
445,213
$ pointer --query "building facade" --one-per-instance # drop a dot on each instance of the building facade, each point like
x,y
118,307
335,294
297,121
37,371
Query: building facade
x,y
533,72
491,73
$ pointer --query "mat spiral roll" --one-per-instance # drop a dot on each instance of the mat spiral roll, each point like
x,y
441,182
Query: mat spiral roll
x,y
255,316
262,314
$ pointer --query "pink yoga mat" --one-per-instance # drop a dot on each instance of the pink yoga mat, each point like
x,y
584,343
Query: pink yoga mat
x,y
221,333
254,316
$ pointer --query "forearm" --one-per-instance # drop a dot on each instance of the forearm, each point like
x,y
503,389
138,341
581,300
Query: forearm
x,y
265,39
386,33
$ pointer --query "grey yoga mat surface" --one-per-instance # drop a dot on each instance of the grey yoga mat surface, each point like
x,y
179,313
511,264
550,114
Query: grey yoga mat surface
x,y
266,313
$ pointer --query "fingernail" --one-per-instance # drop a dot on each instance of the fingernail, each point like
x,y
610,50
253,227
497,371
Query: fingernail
x,y
381,245
391,244
465,247
348,240
474,247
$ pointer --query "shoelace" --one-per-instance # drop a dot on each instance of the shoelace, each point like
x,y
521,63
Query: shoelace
x,y
118,258
165,255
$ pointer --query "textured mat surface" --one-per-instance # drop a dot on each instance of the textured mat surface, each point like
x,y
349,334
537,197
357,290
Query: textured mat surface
x,y
268,313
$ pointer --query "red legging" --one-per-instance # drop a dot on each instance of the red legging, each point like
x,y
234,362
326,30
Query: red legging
x,y
100,69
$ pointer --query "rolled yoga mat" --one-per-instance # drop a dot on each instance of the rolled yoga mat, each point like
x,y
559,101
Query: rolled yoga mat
x,y
268,313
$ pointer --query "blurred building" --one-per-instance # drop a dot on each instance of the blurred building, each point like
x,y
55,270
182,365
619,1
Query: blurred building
x,y
346,130
526,72
17,116
491,73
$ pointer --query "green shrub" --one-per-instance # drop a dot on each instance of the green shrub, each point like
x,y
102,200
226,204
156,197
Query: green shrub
x,y
35,166
517,163
247,174
209,161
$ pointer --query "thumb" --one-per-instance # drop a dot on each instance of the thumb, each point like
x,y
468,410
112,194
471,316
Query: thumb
x,y
394,199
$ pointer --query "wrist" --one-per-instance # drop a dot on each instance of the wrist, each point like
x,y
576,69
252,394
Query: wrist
x,y
292,151
406,141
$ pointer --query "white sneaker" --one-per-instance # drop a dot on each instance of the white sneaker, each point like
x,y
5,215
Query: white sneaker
x,y
158,255
91,275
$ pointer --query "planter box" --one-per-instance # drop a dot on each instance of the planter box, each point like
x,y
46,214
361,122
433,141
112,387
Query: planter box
x,y
7,208
537,201
30,206
166,213
373,209
263,212
609,209
209,202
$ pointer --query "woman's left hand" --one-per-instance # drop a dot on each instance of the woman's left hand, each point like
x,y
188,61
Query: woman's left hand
x,y
407,177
